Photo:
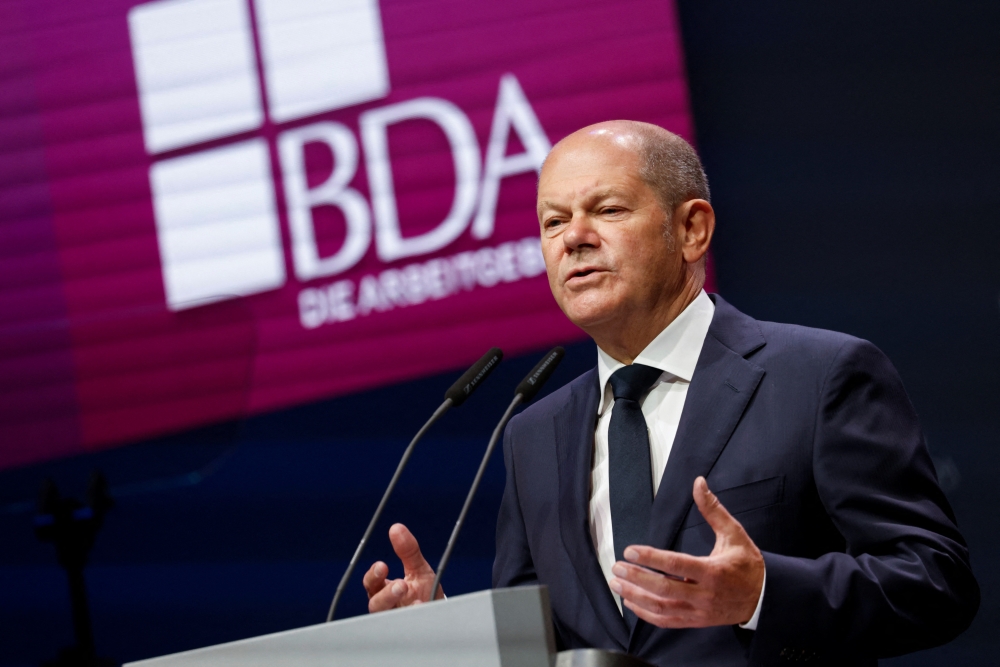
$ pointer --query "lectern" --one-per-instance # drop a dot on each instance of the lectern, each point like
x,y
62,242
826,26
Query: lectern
x,y
509,627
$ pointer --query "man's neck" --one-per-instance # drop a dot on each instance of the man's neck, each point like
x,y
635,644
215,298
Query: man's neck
x,y
625,339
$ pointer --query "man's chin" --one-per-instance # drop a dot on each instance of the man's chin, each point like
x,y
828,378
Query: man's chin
x,y
590,319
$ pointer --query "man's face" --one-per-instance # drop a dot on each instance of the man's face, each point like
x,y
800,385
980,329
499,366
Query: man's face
x,y
603,234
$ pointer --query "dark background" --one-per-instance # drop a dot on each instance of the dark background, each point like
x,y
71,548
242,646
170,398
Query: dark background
x,y
852,150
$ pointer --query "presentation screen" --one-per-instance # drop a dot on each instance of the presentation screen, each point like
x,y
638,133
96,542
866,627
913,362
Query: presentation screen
x,y
213,208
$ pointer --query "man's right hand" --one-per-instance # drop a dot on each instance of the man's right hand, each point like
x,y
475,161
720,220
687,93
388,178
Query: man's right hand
x,y
418,577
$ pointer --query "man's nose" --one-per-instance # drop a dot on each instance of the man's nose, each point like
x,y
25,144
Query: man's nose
x,y
580,232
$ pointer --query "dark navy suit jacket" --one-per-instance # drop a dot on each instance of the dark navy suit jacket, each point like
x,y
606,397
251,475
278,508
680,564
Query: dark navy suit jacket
x,y
810,441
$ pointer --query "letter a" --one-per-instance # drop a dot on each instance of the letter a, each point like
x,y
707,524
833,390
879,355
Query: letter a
x,y
512,110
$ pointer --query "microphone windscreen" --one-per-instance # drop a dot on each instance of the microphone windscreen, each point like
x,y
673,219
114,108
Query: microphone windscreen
x,y
472,378
539,374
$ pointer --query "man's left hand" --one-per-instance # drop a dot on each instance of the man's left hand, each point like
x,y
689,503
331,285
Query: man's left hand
x,y
696,592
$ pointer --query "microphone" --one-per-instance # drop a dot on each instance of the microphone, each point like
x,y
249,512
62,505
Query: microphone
x,y
455,396
472,378
525,392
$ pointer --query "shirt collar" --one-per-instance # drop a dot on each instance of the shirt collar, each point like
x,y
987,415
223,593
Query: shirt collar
x,y
675,350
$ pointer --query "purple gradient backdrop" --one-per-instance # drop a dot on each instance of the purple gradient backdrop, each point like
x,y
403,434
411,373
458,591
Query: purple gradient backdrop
x,y
90,356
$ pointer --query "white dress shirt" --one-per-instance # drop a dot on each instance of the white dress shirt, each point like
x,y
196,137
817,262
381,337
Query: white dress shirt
x,y
674,351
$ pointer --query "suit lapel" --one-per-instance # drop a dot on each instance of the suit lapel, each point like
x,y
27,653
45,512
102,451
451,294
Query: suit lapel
x,y
718,395
723,383
574,437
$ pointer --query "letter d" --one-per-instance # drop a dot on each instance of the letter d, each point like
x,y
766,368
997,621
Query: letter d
x,y
465,150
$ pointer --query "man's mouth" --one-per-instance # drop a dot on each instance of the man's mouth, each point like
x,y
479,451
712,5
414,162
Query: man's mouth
x,y
580,274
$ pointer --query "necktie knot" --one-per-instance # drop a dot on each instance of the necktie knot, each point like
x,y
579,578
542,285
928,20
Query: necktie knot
x,y
630,382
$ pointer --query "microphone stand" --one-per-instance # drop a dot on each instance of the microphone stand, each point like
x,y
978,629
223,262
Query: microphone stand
x,y
443,408
455,396
472,492
525,391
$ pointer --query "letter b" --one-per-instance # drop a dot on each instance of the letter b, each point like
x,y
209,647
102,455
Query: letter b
x,y
333,191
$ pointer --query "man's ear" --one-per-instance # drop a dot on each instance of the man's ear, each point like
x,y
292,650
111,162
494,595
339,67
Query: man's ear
x,y
695,224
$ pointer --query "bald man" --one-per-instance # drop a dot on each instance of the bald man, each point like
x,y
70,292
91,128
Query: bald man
x,y
717,490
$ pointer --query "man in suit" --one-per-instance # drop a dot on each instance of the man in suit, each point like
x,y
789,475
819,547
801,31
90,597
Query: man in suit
x,y
827,539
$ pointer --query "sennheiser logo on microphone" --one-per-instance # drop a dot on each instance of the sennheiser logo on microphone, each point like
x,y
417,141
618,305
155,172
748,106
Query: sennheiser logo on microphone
x,y
486,369
537,374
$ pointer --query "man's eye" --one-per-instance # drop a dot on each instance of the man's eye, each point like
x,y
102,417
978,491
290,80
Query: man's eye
x,y
554,222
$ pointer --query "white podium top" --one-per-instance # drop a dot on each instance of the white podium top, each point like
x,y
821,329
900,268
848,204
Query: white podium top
x,y
499,628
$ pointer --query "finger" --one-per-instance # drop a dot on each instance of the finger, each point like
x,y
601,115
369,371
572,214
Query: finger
x,y
671,620
668,562
389,597
374,579
717,516
659,620
644,599
406,547
656,583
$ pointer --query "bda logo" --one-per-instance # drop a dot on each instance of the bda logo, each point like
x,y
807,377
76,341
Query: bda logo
x,y
210,72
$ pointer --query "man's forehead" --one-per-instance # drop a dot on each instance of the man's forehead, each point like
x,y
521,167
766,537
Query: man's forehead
x,y
622,133
602,140
587,167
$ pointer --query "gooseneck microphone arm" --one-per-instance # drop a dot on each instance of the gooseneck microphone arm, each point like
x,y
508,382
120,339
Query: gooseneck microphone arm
x,y
443,408
455,396
472,492
524,393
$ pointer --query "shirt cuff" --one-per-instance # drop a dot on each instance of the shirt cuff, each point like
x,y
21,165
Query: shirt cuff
x,y
752,623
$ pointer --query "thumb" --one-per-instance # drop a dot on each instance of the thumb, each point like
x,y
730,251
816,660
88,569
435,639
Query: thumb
x,y
406,547
717,516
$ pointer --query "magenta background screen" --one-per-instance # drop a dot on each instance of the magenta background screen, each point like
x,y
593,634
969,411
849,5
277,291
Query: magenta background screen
x,y
93,355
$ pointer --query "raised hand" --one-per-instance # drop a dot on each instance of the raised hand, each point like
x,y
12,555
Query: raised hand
x,y
719,589
418,577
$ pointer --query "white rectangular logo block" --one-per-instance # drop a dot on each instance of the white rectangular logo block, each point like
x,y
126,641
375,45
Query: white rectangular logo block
x,y
197,74
196,71
321,55
217,224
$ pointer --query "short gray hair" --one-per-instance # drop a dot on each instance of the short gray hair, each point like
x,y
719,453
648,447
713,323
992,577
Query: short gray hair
x,y
669,165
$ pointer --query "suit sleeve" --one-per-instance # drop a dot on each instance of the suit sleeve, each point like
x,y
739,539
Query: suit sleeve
x,y
513,565
903,582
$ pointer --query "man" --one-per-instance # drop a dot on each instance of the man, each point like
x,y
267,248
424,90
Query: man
x,y
827,539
